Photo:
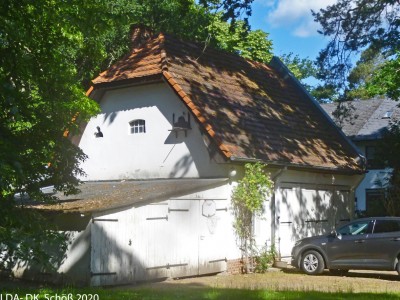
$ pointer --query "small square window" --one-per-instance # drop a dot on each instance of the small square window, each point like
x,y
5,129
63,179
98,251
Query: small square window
x,y
138,126
388,114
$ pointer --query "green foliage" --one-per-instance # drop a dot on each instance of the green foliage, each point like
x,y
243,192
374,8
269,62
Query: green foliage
x,y
265,259
253,45
302,68
42,91
25,237
49,52
362,74
325,93
249,196
387,79
231,10
254,287
248,199
256,46
355,26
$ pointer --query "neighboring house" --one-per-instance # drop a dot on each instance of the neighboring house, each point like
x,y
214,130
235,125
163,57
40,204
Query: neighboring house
x,y
178,122
365,125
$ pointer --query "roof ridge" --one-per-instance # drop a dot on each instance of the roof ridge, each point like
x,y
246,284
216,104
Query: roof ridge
x,y
163,52
212,48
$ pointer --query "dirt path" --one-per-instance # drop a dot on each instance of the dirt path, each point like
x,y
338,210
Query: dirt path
x,y
291,279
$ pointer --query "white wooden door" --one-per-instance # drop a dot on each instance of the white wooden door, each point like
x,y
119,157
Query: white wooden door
x,y
111,249
151,239
213,227
174,238
303,212
183,242
289,217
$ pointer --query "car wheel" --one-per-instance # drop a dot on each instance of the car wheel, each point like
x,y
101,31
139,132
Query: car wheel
x,y
338,272
312,263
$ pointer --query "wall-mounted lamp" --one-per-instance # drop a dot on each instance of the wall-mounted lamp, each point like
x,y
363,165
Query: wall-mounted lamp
x,y
181,124
98,133
232,173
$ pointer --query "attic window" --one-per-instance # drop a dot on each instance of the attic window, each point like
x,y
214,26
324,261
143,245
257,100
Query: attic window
x,y
387,114
138,126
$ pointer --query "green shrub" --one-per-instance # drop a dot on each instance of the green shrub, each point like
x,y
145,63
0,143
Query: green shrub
x,y
264,260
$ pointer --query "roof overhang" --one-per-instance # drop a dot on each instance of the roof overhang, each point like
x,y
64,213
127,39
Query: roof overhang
x,y
299,167
96,91
97,196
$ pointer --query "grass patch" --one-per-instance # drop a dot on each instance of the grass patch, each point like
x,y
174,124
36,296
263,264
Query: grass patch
x,y
178,292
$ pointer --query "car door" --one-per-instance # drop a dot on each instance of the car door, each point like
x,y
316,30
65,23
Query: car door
x,y
383,245
347,248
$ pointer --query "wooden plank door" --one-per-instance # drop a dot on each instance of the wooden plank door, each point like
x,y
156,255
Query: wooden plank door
x,y
213,228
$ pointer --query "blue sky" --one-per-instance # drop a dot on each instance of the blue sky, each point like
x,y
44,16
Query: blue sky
x,y
290,25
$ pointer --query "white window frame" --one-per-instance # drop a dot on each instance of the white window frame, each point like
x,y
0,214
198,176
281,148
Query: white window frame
x,y
137,126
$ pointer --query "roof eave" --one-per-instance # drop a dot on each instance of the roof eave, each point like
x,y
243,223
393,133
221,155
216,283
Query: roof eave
x,y
96,91
293,166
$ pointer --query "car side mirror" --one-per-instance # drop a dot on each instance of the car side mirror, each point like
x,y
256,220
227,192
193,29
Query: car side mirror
x,y
335,234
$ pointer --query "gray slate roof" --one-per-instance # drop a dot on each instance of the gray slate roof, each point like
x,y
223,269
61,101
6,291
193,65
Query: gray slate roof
x,y
368,121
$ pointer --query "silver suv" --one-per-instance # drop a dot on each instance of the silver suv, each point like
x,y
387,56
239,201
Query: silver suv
x,y
367,244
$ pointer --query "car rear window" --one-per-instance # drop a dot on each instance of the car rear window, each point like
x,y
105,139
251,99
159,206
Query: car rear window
x,y
382,226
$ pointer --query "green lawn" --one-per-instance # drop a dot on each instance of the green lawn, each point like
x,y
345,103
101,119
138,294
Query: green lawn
x,y
178,292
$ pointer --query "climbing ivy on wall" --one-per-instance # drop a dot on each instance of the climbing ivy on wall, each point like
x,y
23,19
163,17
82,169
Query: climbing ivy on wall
x,y
248,199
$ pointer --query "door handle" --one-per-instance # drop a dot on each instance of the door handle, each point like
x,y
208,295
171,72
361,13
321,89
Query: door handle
x,y
395,239
359,241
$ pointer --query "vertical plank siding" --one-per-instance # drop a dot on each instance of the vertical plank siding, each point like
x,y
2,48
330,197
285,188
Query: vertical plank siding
x,y
167,239
303,211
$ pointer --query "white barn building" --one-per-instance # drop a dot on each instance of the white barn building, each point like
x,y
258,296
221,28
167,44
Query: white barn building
x,y
177,125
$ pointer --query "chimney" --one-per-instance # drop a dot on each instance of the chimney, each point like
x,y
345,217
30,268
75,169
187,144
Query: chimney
x,y
139,35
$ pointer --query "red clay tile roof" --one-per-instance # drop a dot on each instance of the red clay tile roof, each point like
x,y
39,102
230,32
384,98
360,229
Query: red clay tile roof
x,y
251,110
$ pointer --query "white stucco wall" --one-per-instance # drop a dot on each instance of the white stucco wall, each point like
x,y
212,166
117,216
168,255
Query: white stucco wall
x,y
158,153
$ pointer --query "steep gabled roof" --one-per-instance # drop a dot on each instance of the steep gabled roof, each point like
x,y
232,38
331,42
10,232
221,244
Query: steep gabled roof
x,y
251,110
369,119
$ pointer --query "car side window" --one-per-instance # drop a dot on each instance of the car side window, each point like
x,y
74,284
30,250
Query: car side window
x,y
356,228
382,226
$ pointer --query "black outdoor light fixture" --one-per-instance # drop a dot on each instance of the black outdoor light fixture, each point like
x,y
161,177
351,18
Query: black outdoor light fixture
x,y
181,124
98,133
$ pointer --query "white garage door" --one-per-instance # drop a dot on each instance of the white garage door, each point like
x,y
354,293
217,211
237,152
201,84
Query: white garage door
x,y
302,212
175,238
